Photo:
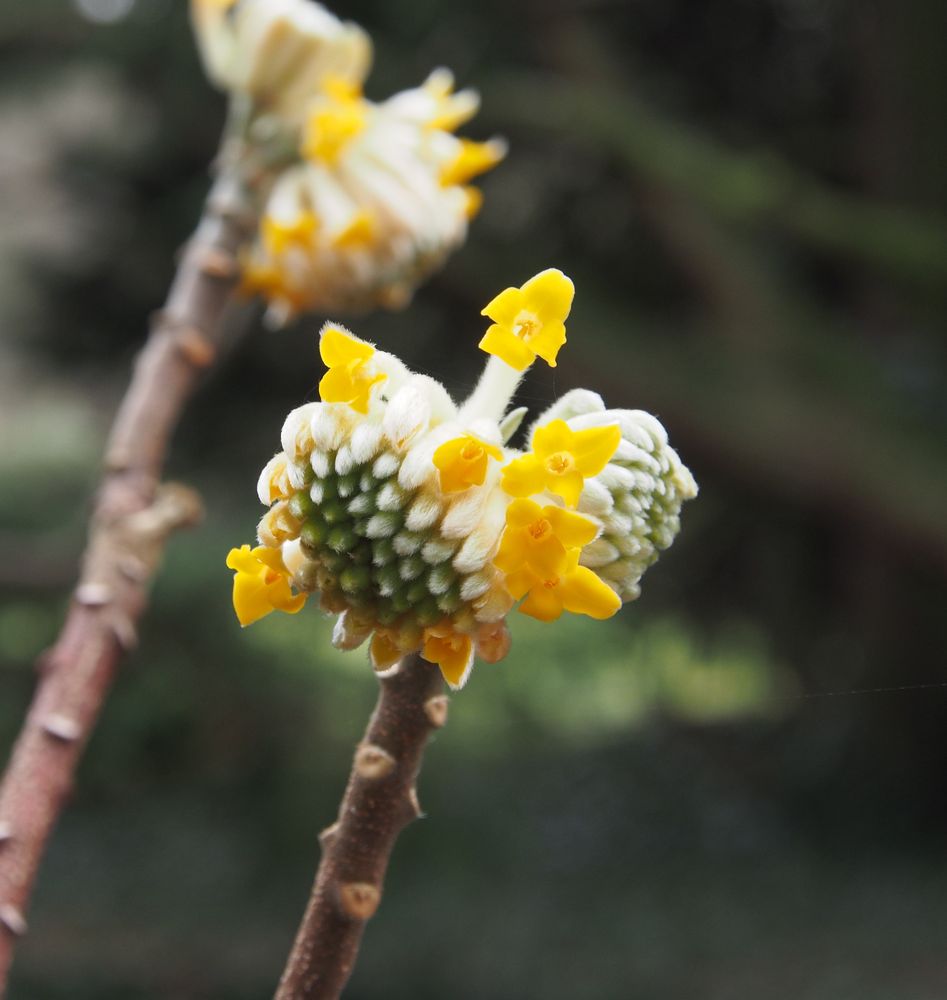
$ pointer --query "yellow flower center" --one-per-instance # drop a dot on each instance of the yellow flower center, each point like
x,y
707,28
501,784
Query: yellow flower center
x,y
472,451
560,463
551,583
527,325
538,530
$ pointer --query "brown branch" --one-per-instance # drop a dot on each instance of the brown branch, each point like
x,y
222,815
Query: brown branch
x,y
379,802
130,523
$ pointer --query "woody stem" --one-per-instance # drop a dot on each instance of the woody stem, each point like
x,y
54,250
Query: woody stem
x,y
380,800
131,520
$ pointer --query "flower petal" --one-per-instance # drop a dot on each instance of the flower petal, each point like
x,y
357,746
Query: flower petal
x,y
524,476
543,603
504,307
585,593
552,437
568,486
336,347
549,295
594,447
504,344
572,529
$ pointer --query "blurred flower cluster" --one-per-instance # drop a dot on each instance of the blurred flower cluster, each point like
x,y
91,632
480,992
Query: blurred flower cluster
x,y
420,527
370,197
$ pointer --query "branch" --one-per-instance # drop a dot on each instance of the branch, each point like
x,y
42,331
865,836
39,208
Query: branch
x,y
379,802
131,521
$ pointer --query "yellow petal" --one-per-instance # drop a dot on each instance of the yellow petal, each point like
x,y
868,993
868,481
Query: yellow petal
x,y
547,557
505,307
568,486
543,603
474,158
504,344
473,201
552,437
453,654
520,582
549,341
594,447
462,462
241,560
523,477
585,593
572,529
384,651
521,513
512,552
549,295
336,347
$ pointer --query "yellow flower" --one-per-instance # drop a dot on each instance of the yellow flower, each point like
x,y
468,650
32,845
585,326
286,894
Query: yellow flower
x,y
538,538
473,158
576,588
530,321
335,121
261,584
452,651
279,236
462,462
347,380
561,460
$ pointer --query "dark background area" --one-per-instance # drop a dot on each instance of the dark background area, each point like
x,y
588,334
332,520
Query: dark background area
x,y
735,789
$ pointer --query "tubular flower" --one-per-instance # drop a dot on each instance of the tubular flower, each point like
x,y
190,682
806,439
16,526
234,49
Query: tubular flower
x,y
529,321
387,187
462,462
394,503
540,538
561,460
574,588
452,651
261,584
277,53
349,378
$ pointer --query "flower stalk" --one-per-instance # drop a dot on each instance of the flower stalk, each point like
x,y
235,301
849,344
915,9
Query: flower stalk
x,y
380,800
132,518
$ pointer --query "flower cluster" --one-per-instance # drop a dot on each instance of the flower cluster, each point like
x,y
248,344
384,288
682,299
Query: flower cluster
x,y
420,527
373,195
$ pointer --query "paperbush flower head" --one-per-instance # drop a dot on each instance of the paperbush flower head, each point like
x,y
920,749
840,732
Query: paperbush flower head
x,y
420,527
380,197
362,199
278,53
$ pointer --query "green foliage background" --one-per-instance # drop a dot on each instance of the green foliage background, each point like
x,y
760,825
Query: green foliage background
x,y
690,801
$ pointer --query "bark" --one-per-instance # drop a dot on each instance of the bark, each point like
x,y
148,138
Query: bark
x,y
132,517
380,800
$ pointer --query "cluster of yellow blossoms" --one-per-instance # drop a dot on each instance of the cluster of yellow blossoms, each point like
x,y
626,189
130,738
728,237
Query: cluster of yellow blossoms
x,y
373,195
421,529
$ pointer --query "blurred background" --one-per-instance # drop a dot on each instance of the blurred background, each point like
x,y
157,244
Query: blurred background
x,y
734,789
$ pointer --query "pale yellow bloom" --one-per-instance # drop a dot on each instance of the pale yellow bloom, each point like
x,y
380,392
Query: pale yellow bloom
x,y
529,321
561,460
539,538
349,378
575,588
261,584
452,651
462,462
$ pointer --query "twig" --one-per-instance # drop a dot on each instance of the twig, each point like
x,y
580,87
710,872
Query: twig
x,y
131,521
379,802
